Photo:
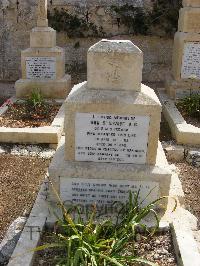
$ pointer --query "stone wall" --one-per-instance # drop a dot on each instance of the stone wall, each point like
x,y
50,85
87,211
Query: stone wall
x,y
18,17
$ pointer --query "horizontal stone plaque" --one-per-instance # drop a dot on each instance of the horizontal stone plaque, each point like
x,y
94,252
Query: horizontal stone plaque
x,y
105,192
191,61
111,138
41,68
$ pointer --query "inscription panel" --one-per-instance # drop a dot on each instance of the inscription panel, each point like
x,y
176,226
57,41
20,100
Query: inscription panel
x,y
191,60
105,192
41,68
111,138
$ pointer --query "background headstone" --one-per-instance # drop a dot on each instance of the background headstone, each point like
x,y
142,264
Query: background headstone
x,y
186,54
43,64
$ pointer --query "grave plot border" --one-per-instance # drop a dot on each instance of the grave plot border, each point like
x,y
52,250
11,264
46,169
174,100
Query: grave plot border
x,y
46,134
182,132
182,225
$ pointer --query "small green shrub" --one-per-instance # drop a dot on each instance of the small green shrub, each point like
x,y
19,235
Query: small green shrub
x,y
162,18
190,105
134,18
35,99
165,15
85,243
63,21
36,106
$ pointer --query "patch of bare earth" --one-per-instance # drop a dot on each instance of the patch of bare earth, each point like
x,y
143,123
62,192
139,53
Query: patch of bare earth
x,y
190,179
20,180
195,121
18,116
165,131
158,249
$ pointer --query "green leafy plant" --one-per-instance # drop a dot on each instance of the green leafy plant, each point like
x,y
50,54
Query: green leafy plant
x,y
135,18
36,99
190,105
63,21
163,16
36,106
86,242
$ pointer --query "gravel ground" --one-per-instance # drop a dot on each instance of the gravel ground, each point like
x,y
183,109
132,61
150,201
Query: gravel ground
x,y
157,249
20,180
41,151
19,116
190,179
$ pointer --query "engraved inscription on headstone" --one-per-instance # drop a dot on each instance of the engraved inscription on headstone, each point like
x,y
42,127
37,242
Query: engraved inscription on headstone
x,y
41,68
191,60
111,138
105,192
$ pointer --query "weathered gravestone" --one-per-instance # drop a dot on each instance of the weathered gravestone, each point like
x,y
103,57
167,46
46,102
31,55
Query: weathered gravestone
x,y
185,77
43,64
112,125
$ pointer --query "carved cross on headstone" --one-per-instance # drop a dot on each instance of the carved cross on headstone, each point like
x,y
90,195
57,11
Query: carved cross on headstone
x,y
42,20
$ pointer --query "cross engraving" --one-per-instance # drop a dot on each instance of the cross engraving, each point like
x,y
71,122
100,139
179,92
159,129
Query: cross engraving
x,y
42,20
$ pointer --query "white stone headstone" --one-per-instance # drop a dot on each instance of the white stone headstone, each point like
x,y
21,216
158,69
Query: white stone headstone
x,y
114,65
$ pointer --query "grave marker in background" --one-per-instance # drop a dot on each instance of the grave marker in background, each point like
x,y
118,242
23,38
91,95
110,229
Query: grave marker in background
x,y
43,64
185,77
112,125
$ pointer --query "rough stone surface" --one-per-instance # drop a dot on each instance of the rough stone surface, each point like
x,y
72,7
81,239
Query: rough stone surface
x,y
193,158
185,61
114,65
60,168
189,20
10,240
84,100
182,132
182,88
179,41
42,37
43,62
54,89
175,153
17,22
193,3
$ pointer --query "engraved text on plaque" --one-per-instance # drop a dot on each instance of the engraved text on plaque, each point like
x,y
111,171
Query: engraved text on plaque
x,y
111,138
191,60
41,68
104,192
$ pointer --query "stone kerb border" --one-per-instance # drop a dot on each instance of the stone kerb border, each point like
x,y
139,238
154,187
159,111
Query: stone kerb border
x,y
47,134
182,224
182,132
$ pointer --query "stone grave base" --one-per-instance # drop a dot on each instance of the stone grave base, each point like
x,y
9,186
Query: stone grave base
x,y
114,179
53,89
181,223
182,132
47,134
182,88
